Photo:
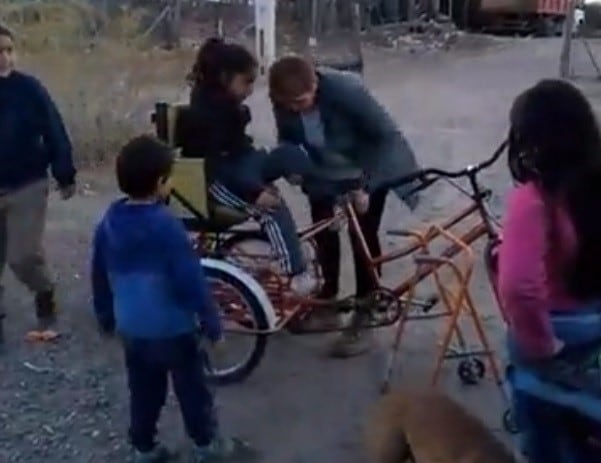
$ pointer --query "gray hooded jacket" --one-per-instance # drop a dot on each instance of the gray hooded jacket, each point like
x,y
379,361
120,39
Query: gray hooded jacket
x,y
358,133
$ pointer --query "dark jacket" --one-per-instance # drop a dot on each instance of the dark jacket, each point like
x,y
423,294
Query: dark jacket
x,y
216,126
356,127
146,278
32,135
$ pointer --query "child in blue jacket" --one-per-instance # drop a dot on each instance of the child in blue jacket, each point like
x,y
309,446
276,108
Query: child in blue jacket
x,y
148,285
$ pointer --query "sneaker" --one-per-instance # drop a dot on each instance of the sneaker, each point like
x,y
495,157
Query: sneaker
x,y
160,454
45,305
223,450
349,344
303,284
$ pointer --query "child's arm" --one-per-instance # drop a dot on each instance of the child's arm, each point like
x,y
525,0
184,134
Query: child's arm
x,y
101,288
522,272
56,139
188,280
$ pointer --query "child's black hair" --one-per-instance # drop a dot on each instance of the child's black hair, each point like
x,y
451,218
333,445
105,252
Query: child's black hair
x,y
218,61
6,32
555,142
141,164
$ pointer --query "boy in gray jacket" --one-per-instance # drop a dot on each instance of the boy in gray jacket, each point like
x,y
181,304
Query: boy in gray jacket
x,y
359,148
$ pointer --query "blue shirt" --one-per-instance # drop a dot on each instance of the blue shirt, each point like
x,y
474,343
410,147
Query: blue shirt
x,y
147,280
32,135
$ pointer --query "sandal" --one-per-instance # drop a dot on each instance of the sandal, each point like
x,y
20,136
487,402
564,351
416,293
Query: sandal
x,y
42,336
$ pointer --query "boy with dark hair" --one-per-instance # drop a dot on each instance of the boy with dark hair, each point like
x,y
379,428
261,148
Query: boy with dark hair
x,y
149,286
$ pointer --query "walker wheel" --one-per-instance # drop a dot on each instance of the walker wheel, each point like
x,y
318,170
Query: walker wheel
x,y
509,423
471,371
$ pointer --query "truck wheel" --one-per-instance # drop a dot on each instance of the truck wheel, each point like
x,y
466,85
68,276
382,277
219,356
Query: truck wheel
x,y
558,27
545,27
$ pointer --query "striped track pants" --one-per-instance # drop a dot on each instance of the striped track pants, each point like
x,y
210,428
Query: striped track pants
x,y
278,233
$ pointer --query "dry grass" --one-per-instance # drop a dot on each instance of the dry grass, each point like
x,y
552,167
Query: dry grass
x,y
106,94
105,87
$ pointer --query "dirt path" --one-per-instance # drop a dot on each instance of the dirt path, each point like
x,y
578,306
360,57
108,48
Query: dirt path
x,y
67,403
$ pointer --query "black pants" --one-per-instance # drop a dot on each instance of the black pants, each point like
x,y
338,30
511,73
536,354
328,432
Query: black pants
x,y
328,244
149,364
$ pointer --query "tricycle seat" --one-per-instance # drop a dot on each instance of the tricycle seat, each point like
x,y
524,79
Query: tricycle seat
x,y
226,217
190,202
189,198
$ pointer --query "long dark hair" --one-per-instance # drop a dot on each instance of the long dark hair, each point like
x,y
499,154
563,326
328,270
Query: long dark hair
x,y
554,141
218,61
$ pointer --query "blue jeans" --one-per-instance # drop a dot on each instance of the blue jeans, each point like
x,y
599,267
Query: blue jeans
x,y
545,433
149,365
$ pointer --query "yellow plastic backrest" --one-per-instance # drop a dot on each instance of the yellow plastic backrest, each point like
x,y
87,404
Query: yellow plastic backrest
x,y
189,181
188,176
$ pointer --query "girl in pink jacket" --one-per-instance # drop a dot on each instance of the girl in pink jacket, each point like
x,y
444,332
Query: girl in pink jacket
x,y
550,258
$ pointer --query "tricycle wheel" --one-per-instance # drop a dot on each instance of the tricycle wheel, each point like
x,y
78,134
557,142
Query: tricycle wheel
x,y
241,308
471,371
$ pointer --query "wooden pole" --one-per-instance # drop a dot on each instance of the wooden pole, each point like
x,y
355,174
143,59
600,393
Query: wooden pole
x,y
265,17
566,49
177,22
314,26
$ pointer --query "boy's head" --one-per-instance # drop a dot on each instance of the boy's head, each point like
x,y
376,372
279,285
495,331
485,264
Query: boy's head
x,y
7,51
144,168
293,83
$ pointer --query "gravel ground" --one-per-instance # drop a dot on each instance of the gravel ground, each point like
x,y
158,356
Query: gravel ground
x,y
67,402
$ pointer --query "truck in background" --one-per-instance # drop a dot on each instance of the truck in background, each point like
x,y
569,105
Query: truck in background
x,y
543,18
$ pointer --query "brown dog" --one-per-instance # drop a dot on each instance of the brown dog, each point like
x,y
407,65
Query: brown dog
x,y
427,426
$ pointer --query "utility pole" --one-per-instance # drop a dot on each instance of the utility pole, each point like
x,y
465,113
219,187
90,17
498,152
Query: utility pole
x,y
265,37
566,49
177,22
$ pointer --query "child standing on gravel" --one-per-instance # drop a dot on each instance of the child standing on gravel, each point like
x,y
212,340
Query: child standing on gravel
x,y
148,285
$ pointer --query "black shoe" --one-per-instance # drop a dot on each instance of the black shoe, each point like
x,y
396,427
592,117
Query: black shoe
x,y
45,308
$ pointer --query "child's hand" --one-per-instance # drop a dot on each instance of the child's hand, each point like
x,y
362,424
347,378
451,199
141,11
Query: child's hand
x,y
268,200
360,200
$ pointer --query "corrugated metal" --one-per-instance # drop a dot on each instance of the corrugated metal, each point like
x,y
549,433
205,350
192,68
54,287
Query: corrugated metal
x,y
525,6
553,6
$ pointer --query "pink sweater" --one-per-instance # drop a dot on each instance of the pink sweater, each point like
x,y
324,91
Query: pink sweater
x,y
530,268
